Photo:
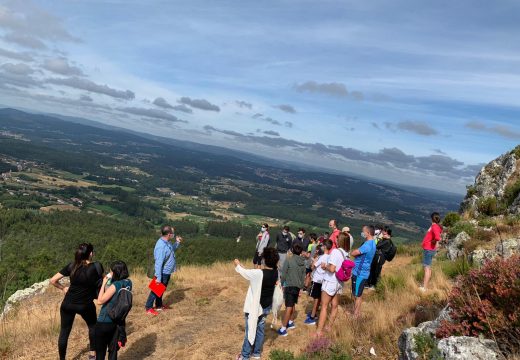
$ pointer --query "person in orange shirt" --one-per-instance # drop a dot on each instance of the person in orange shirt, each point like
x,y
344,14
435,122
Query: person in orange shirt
x,y
334,233
430,246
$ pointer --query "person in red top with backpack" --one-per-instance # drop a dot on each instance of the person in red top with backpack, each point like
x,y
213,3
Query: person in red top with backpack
x,y
429,245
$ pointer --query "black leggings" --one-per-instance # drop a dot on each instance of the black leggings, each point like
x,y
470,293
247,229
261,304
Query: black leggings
x,y
68,313
104,335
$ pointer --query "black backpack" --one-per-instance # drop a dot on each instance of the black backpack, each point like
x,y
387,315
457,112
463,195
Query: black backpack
x,y
390,253
122,305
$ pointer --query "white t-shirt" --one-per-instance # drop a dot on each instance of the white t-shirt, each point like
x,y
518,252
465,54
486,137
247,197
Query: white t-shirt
x,y
319,273
336,257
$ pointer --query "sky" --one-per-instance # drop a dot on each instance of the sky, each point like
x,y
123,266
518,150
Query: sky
x,y
415,92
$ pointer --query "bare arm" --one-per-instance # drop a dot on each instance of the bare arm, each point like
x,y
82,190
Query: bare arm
x,y
55,281
356,253
105,295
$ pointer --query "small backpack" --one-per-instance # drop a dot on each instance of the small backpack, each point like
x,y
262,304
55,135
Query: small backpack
x,y
344,273
390,253
122,305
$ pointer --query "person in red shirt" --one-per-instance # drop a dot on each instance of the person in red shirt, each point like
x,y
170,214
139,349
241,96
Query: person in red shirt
x,y
429,245
334,233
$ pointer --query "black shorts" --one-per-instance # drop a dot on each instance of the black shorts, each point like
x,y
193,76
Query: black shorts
x,y
257,259
308,271
316,290
291,296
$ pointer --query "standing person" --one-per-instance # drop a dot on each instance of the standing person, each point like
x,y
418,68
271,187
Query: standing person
x,y
292,277
311,251
165,266
346,232
383,247
258,301
283,244
106,337
331,287
79,296
430,246
323,237
363,260
318,274
334,232
261,243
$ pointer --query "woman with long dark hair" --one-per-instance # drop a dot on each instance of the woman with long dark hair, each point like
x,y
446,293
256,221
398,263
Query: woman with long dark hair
x,y
105,327
79,296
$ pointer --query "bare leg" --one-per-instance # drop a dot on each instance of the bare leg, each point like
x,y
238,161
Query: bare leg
x,y
427,276
287,316
334,310
315,307
357,306
325,300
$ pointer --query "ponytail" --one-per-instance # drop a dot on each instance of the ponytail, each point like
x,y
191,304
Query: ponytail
x,y
81,256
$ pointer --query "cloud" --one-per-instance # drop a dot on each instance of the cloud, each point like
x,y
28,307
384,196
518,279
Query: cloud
x,y
151,113
244,104
417,127
375,125
288,124
16,56
257,116
201,104
84,84
439,151
61,66
86,98
394,158
271,133
500,130
287,108
183,108
332,89
161,102
25,40
17,69
271,121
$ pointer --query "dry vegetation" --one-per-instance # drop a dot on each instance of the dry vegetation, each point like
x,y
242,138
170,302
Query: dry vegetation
x,y
207,320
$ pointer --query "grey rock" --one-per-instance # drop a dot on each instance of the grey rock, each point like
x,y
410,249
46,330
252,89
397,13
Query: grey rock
x,y
455,246
479,256
468,348
23,295
406,344
508,247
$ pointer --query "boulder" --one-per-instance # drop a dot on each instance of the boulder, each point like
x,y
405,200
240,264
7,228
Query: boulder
x,y
480,256
508,247
468,348
456,246
23,295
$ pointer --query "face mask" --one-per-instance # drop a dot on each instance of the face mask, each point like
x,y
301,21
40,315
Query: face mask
x,y
300,236
284,233
363,235
263,229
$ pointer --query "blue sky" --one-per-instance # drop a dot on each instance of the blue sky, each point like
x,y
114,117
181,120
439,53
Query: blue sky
x,y
421,93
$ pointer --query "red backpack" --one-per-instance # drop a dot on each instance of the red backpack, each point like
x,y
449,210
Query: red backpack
x,y
344,273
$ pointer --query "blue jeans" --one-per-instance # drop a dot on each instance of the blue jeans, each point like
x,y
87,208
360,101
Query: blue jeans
x,y
256,349
165,278
428,257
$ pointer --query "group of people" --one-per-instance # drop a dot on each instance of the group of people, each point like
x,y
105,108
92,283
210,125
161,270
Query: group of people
x,y
292,263
88,282
311,263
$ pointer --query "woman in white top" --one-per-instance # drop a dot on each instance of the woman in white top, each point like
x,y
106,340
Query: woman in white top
x,y
331,287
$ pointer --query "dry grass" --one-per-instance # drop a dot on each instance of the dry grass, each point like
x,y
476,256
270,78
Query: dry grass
x,y
207,320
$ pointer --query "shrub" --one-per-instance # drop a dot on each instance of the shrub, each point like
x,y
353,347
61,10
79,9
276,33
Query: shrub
x,y
512,220
488,206
426,347
281,355
451,219
511,192
471,190
487,222
485,303
452,269
460,227
389,284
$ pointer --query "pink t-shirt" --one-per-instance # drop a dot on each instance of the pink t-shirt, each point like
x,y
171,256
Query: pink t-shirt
x,y
432,236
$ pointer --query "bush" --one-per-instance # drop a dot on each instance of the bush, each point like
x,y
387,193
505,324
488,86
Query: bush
x,y
460,227
488,206
487,222
389,284
451,219
281,355
426,347
452,269
485,303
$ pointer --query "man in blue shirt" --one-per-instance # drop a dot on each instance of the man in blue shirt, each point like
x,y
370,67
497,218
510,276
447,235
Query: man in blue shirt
x,y
363,260
165,266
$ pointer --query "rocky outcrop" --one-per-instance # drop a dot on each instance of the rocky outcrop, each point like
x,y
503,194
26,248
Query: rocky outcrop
x,y
491,182
455,246
452,348
505,249
466,348
24,294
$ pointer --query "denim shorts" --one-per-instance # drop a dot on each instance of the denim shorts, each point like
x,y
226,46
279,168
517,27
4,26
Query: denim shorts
x,y
428,257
